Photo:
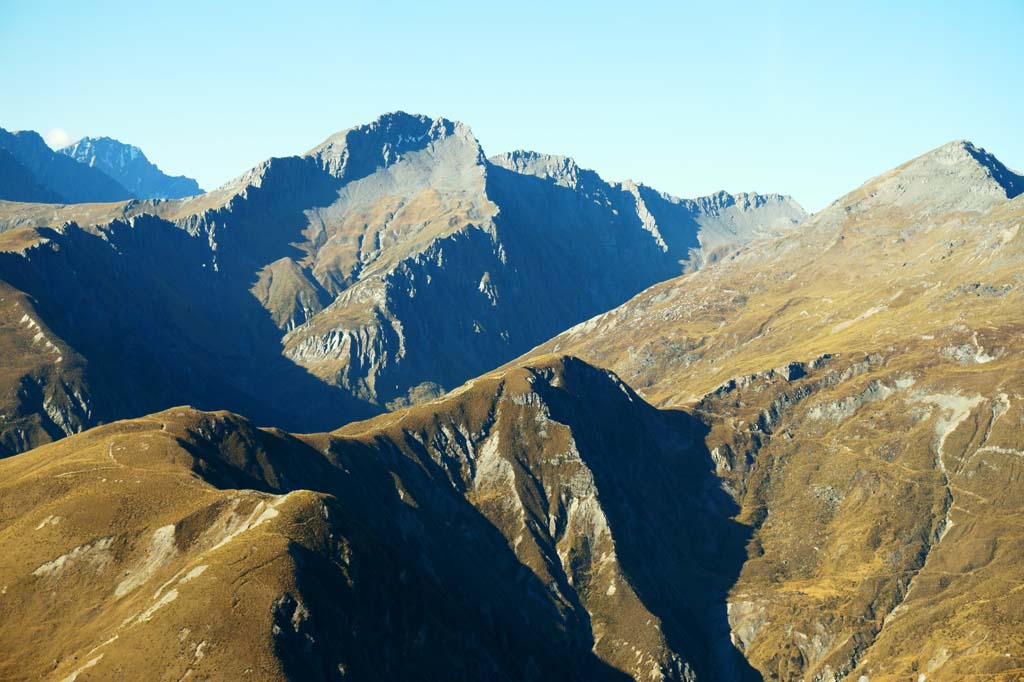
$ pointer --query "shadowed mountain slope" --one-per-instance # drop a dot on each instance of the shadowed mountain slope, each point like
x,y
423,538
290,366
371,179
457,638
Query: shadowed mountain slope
x,y
381,268
538,523
19,184
54,177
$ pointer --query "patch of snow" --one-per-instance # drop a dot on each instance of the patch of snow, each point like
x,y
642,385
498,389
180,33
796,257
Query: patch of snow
x,y
1000,450
194,573
874,310
236,525
954,409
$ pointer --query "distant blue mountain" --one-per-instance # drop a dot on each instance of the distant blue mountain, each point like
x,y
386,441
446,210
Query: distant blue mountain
x,y
127,165
31,171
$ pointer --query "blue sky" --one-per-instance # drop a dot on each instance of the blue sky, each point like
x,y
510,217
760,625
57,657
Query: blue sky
x,y
690,98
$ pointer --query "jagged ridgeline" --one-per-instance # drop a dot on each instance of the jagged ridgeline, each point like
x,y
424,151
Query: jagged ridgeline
x,y
94,169
383,267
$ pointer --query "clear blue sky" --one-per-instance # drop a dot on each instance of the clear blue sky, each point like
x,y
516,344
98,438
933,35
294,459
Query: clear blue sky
x,y
687,97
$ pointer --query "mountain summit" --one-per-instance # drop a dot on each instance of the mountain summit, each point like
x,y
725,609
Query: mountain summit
x,y
956,176
359,151
127,165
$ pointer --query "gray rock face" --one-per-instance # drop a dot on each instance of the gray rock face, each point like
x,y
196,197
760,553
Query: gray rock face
x,y
129,166
443,272
54,178
955,176
383,267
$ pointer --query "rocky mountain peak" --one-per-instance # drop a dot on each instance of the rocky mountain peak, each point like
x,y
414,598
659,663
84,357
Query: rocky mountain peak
x,y
29,137
958,176
1011,181
744,201
26,145
567,373
128,165
561,170
357,152
59,177
104,149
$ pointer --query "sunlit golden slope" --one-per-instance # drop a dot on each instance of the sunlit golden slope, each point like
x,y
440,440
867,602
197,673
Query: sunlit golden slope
x,y
861,378
539,523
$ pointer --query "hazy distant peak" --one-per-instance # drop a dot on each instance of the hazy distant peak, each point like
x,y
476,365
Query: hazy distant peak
x,y
523,160
28,136
59,176
22,142
128,165
563,170
106,150
720,200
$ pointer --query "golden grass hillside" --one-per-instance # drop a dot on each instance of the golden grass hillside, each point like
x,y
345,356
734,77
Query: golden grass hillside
x,y
861,379
541,522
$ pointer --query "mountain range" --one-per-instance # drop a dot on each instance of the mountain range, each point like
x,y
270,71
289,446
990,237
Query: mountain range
x,y
385,266
90,170
552,426
127,165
